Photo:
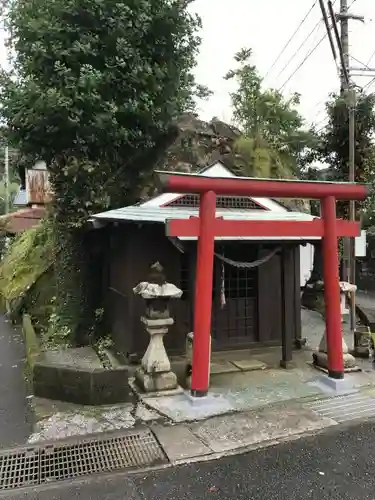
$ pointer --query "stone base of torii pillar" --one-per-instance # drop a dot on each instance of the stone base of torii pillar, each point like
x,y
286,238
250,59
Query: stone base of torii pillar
x,y
320,357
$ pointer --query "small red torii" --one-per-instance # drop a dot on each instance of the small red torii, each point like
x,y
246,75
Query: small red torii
x,y
207,226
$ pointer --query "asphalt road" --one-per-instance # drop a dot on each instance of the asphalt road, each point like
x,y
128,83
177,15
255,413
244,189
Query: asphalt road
x,y
15,418
338,465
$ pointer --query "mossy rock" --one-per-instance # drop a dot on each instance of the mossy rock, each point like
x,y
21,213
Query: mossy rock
x,y
38,302
28,260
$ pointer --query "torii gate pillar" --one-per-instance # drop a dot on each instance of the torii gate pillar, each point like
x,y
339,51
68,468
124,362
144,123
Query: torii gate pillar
x,y
332,289
200,376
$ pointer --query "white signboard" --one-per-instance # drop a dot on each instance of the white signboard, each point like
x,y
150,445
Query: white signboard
x,y
360,245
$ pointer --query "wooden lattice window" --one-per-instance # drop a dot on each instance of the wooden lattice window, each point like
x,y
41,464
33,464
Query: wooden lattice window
x,y
231,202
187,267
240,283
185,270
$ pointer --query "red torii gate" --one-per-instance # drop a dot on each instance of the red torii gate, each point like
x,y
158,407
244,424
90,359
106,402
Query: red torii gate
x,y
207,226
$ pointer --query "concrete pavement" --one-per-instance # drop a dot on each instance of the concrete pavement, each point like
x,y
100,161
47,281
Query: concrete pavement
x,y
338,464
15,418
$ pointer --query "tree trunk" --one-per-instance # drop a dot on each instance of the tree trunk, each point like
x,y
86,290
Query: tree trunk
x,y
73,314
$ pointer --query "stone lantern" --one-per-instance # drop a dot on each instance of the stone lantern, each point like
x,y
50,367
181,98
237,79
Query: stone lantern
x,y
155,372
320,357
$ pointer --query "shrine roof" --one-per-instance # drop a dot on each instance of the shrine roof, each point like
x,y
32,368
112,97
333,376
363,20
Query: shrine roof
x,y
148,214
160,208
215,170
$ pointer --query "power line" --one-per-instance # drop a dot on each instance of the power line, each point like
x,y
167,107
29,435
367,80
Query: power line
x,y
316,106
360,62
319,122
303,61
371,57
309,53
369,84
315,28
299,48
290,39
319,118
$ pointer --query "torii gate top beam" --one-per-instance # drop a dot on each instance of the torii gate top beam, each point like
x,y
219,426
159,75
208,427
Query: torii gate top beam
x,y
248,186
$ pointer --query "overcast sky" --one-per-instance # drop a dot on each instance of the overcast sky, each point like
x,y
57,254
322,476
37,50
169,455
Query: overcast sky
x,y
266,26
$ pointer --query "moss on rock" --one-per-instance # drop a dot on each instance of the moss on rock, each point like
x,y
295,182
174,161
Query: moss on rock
x,y
26,280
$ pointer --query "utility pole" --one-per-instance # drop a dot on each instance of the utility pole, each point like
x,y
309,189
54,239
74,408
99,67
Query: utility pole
x,y
6,180
352,214
344,37
347,90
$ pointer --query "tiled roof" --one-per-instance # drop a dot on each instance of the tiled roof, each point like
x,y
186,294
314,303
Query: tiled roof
x,y
23,219
161,214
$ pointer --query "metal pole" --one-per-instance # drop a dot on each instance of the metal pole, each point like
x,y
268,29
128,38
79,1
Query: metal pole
x,y
332,289
344,35
200,377
344,81
352,215
349,243
6,179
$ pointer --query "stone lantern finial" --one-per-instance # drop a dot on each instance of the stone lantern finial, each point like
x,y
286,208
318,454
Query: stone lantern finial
x,y
156,274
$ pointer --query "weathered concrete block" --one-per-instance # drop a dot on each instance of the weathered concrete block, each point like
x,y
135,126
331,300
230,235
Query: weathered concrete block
x,y
77,376
109,386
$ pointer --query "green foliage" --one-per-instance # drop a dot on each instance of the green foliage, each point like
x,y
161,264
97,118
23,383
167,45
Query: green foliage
x,y
13,189
267,117
31,340
259,160
102,345
27,260
55,335
39,300
97,79
95,87
334,148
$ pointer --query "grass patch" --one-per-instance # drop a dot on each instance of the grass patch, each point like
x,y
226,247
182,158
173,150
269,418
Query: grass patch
x,y
31,340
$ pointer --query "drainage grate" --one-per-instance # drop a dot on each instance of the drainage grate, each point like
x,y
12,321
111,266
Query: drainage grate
x,y
344,408
69,460
19,468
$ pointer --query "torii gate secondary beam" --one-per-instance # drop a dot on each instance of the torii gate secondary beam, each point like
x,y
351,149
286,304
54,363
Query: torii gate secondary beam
x,y
208,188
189,228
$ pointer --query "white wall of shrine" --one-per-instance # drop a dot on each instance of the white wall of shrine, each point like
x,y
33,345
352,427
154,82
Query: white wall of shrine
x,y
306,262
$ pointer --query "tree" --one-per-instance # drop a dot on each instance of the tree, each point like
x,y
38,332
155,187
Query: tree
x,y
333,150
275,138
94,90
257,159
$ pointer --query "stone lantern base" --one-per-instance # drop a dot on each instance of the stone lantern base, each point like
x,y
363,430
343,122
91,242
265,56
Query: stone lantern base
x,y
166,381
321,356
155,373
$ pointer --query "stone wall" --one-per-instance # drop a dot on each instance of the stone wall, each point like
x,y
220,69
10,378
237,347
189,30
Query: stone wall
x,y
200,143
